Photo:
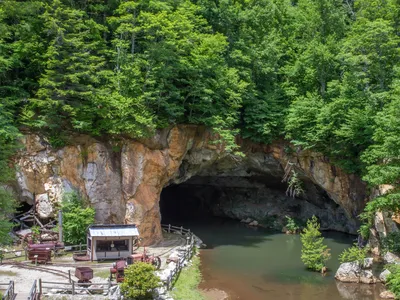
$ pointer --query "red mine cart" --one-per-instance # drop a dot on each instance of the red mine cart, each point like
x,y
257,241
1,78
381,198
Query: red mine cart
x,y
84,274
39,255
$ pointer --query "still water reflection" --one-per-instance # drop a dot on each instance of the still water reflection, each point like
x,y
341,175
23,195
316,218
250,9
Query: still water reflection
x,y
250,263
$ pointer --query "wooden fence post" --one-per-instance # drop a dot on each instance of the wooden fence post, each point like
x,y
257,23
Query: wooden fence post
x,y
169,228
181,229
69,276
40,287
73,288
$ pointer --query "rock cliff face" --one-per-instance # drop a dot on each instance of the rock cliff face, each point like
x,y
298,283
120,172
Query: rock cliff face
x,y
124,181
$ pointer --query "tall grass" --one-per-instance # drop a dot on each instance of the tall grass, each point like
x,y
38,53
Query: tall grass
x,y
186,287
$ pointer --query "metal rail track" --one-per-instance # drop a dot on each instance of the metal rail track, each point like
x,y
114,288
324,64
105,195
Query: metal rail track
x,y
38,268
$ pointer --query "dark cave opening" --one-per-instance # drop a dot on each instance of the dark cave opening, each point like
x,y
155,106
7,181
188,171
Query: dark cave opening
x,y
23,208
183,202
260,198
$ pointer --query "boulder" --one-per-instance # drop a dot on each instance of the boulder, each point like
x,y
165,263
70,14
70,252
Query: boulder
x,y
248,220
368,262
366,276
391,258
348,272
374,242
254,223
354,272
387,295
383,276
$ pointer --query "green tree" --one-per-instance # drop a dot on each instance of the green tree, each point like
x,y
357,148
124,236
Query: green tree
x,y
7,209
73,61
168,58
140,281
76,219
314,253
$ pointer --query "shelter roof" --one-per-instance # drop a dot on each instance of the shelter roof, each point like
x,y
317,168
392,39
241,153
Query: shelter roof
x,y
113,230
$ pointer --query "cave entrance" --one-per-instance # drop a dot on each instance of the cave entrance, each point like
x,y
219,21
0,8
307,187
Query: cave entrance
x,y
234,197
24,216
262,198
186,202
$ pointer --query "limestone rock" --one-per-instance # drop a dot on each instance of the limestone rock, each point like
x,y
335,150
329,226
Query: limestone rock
x,y
353,272
368,262
391,258
124,186
44,206
387,295
373,242
383,276
254,223
248,220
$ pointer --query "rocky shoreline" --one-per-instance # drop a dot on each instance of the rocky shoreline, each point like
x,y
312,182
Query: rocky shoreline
x,y
369,271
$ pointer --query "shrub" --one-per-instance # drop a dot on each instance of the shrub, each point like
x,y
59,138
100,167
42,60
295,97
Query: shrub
x,y
139,281
354,253
76,219
294,188
291,225
393,279
391,243
314,253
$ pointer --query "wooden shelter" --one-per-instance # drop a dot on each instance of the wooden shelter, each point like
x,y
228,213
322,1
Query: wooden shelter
x,y
111,241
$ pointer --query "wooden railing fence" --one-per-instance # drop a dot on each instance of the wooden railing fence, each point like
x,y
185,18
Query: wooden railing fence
x,y
33,293
73,287
9,294
189,251
12,254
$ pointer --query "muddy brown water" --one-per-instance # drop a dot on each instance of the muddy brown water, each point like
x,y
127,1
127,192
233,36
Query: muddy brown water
x,y
257,264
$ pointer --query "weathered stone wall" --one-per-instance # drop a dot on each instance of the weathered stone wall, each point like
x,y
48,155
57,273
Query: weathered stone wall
x,y
124,183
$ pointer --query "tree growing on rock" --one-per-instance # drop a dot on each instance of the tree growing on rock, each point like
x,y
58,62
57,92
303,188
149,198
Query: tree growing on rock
x,y
77,218
140,281
314,253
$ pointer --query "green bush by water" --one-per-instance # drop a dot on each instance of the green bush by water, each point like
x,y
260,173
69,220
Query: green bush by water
x,y
354,253
393,279
314,253
291,225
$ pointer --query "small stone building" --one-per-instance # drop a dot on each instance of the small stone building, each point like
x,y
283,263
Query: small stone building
x,y
111,241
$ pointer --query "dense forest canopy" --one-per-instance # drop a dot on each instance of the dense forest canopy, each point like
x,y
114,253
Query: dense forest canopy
x,y
324,74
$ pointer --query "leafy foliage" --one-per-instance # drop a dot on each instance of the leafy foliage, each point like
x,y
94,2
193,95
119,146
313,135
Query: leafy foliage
x,y
295,188
139,281
324,74
354,253
314,253
7,208
393,279
391,243
291,225
76,219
